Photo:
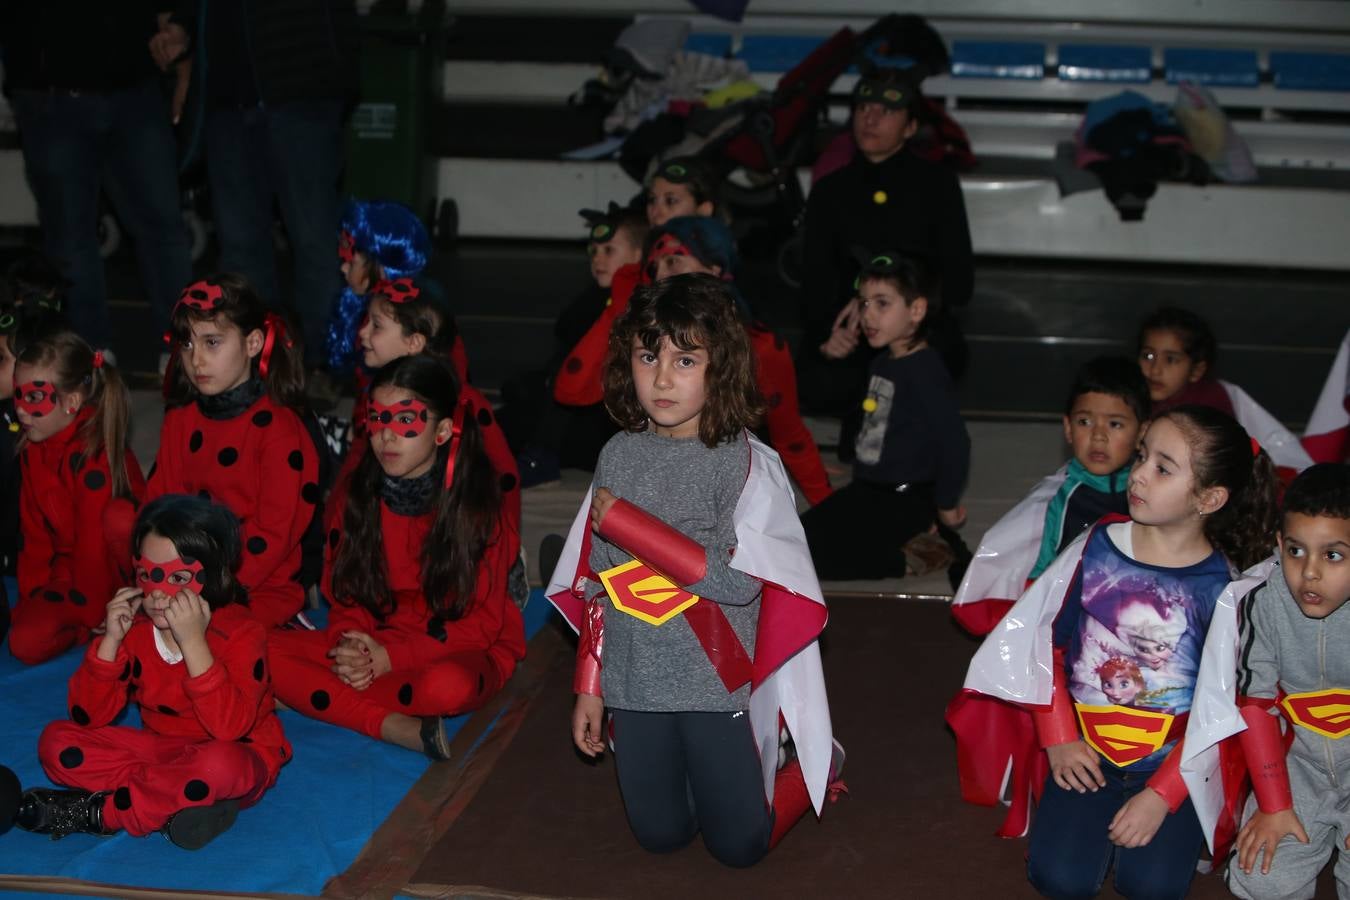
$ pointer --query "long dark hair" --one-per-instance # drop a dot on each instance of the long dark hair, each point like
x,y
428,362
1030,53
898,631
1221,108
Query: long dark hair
x,y
1224,455
426,313
240,306
199,530
692,311
78,367
467,516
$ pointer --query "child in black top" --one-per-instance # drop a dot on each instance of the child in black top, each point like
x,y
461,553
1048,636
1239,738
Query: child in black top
x,y
913,453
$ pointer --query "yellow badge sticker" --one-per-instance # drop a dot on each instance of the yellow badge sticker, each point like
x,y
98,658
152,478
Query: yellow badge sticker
x,y
1325,712
1122,734
880,198
870,404
644,594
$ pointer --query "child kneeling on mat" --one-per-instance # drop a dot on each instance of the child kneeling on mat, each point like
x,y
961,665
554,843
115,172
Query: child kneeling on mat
x,y
183,646
696,637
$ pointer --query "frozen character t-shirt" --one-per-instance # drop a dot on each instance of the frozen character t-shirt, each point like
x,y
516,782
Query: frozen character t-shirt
x,y
1133,632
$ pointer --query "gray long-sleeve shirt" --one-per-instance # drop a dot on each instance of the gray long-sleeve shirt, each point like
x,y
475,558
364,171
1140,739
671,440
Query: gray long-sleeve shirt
x,y
694,489
1282,649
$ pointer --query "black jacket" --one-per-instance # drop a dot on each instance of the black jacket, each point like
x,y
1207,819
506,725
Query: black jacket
x,y
78,45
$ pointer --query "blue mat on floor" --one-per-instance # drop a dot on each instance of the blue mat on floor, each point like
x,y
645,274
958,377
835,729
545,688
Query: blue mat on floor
x,y
326,804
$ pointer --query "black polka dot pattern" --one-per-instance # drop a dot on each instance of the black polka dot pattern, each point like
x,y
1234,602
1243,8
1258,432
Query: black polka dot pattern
x,y
774,400
485,417
296,460
481,684
196,790
573,366
405,694
246,740
76,597
262,418
53,596
796,447
71,757
259,670
136,668
256,545
195,442
319,700
126,673
167,710
76,462
227,457
309,493
95,480
122,798
78,715
507,482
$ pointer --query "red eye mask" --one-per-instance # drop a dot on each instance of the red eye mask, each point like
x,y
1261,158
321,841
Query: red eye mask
x,y
346,247
151,575
382,417
38,408
201,296
666,245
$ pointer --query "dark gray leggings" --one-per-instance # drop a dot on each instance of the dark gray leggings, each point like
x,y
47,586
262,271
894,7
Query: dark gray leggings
x,y
685,772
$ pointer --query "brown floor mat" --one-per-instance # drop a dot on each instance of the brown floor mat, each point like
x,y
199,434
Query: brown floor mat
x,y
549,824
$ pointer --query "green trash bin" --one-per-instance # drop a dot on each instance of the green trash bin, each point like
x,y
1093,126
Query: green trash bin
x,y
402,64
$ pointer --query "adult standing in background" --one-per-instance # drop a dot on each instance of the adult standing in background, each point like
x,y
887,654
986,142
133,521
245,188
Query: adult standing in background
x,y
92,115
885,198
275,77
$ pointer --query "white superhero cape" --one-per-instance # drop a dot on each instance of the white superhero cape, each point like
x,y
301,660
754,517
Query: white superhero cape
x,y
1214,712
1007,552
770,546
1279,442
1016,663
1327,437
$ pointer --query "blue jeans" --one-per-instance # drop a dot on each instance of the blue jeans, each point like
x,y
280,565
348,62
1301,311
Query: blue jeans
x,y
1070,853
292,152
121,141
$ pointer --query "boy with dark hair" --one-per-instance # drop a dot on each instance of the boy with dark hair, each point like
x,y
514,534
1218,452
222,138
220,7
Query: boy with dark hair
x,y
1291,662
1105,412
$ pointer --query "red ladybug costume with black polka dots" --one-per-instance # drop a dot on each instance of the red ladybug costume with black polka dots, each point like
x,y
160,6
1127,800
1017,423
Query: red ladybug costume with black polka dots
x,y
68,569
438,667
212,737
261,465
776,378
494,441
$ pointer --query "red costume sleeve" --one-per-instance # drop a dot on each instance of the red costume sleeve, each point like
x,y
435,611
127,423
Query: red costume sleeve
x,y
270,535
98,689
1057,724
1264,750
341,617
490,619
503,461
226,697
1167,781
38,550
578,382
788,434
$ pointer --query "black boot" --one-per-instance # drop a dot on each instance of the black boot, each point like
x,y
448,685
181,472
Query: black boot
x,y
61,812
195,827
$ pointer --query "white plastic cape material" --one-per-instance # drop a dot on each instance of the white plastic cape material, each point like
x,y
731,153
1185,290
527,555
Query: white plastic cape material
x,y
771,546
1330,414
1279,442
1214,712
1009,549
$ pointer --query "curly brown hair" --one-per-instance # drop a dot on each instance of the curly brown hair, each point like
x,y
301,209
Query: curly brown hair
x,y
693,311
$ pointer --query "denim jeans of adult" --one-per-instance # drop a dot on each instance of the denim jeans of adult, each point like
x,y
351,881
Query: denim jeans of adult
x,y
1069,853
75,143
291,152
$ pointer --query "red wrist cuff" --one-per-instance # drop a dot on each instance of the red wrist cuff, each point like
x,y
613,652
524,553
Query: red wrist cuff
x,y
1265,752
1167,781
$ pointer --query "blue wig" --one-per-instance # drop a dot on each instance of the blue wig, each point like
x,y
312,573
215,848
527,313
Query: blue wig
x,y
709,240
391,236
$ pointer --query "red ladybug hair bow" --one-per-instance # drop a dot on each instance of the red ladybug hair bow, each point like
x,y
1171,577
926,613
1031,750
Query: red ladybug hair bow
x,y
346,247
273,326
201,296
398,290
456,430
98,359
1256,448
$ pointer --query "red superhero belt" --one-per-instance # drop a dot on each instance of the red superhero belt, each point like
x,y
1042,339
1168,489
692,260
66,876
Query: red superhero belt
x,y
637,590
1325,712
1122,734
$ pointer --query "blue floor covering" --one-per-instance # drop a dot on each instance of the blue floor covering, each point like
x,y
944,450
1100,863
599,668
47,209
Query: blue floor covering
x,y
326,804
